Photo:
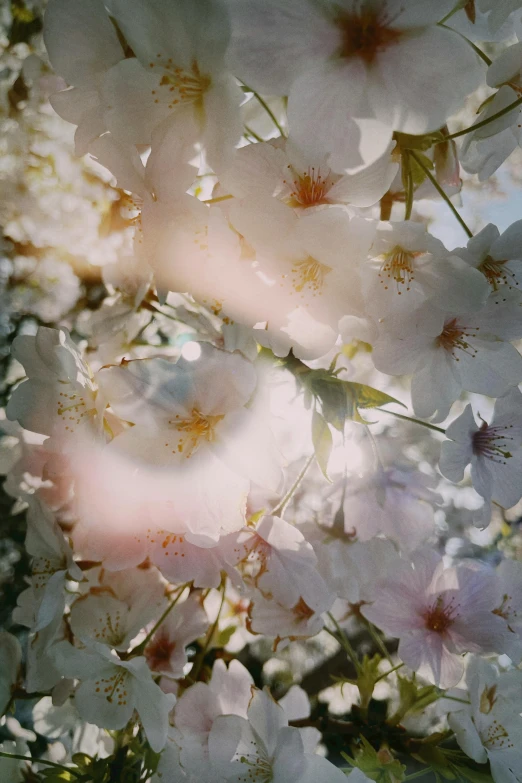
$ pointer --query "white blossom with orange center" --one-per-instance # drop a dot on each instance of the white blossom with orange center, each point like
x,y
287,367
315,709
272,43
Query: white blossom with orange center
x,y
447,353
177,76
263,748
348,79
310,266
493,450
438,614
491,727
278,169
60,397
111,689
407,266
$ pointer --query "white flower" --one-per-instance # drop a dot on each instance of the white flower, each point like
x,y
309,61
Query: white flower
x,y
101,617
177,74
52,565
448,353
499,11
509,606
280,170
110,689
227,693
285,563
346,69
264,748
192,413
397,503
494,451
165,653
60,397
311,267
438,614
10,660
498,257
282,622
407,266
82,45
491,728
46,287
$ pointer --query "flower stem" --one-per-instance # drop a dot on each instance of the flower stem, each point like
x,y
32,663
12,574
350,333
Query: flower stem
x,y
198,662
478,51
40,761
343,641
253,133
482,123
217,199
441,192
415,421
141,646
267,108
279,510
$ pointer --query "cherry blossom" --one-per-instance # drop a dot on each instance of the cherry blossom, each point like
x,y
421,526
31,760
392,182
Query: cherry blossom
x,y
438,614
489,729
110,689
497,256
177,75
347,78
494,451
165,652
92,49
263,747
449,352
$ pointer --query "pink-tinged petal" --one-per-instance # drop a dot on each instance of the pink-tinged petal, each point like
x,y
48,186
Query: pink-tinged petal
x,y
232,687
289,759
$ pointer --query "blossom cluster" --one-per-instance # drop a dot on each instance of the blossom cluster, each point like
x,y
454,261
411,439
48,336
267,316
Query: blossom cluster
x,y
202,309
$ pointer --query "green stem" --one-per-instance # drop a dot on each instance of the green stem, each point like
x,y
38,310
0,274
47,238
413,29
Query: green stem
x,y
478,51
253,133
343,641
267,108
441,192
217,199
459,6
454,698
390,671
409,195
378,641
40,761
198,663
418,774
279,510
141,646
482,123
415,421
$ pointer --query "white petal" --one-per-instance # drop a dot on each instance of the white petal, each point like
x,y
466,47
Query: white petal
x,y
80,39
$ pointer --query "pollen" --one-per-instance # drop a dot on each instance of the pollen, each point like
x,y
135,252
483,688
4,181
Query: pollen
x,y
309,274
440,616
309,189
454,338
196,429
497,273
493,443
398,268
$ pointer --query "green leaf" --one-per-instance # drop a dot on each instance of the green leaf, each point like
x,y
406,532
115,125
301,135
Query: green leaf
x,y
323,442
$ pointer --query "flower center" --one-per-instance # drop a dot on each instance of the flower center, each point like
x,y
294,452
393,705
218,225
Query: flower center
x,y
488,699
159,652
302,611
439,618
177,85
497,274
197,428
366,34
397,267
308,189
492,443
260,767
498,737
309,273
453,338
